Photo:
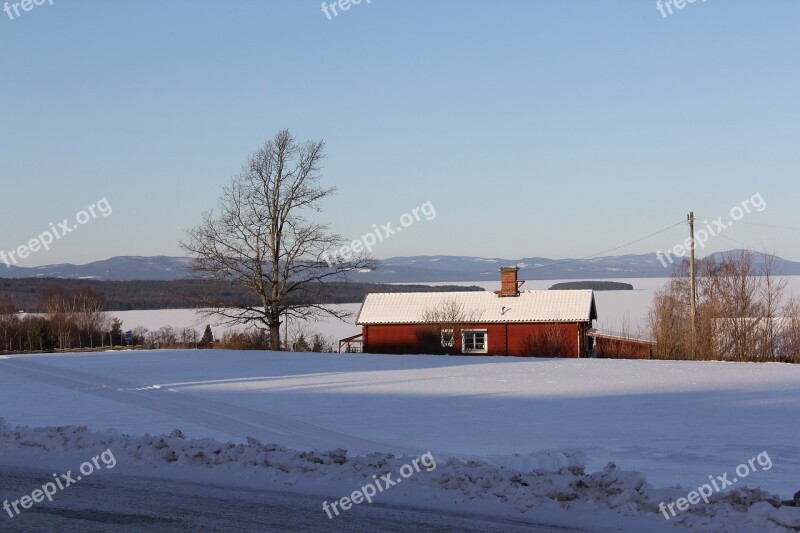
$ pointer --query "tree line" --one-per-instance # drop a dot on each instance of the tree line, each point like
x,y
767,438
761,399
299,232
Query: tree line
x,y
743,313
77,320
69,319
26,293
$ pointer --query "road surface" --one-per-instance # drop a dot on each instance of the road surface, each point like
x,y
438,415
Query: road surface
x,y
122,503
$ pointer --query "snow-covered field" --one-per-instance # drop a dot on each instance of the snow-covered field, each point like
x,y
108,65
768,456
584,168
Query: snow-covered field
x,y
676,422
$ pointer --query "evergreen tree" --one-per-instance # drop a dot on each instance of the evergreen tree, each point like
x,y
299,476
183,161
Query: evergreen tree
x,y
116,332
208,336
301,345
41,337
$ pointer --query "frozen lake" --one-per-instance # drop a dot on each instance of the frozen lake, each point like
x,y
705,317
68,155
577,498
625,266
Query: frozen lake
x,y
614,309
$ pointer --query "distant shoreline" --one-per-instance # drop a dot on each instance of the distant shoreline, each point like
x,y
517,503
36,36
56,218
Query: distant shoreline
x,y
592,285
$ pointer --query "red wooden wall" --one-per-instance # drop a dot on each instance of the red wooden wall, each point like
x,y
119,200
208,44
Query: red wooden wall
x,y
523,340
612,348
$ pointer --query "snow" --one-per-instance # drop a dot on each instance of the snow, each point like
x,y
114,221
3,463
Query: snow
x,y
567,494
510,436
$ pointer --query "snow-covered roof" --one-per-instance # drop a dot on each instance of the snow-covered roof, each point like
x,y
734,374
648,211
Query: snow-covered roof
x,y
480,306
619,335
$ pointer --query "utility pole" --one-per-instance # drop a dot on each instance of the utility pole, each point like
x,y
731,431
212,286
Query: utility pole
x,y
692,284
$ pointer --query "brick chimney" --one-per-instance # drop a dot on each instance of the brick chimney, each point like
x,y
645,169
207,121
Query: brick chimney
x,y
509,286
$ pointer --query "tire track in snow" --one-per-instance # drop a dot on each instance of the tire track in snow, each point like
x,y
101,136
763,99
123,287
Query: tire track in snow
x,y
244,422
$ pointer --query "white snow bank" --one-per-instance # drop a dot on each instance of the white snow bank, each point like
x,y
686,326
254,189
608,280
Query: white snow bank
x,y
516,490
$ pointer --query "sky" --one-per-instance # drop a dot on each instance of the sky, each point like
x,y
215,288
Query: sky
x,y
553,129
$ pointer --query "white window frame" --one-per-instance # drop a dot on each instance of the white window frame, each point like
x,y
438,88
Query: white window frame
x,y
448,343
466,350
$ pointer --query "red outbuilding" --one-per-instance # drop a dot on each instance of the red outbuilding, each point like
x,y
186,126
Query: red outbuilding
x,y
609,345
537,323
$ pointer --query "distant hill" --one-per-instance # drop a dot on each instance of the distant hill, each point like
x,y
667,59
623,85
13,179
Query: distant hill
x,y
115,269
414,269
592,285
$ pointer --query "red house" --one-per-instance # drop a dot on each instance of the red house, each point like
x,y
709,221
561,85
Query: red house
x,y
537,323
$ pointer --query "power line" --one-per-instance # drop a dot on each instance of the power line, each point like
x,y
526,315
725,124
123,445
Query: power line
x,y
610,250
735,242
754,224
637,240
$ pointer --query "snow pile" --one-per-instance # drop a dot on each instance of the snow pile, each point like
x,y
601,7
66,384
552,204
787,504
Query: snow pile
x,y
625,491
451,482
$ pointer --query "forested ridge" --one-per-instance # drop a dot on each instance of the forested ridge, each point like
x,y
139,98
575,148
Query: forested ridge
x,y
25,293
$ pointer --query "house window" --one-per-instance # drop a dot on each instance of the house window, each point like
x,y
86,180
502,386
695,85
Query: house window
x,y
475,341
448,340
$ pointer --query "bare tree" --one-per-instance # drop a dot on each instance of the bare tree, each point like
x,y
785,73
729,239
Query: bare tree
x,y
9,324
166,337
442,325
789,345
54,303
262,240
772,291
668,318
740,312
549,341
738,295
188,337
140,336
88,312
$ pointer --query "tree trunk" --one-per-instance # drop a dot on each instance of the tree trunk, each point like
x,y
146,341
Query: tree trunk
x,y
275,336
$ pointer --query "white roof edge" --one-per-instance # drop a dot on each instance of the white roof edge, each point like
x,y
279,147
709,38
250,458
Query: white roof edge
x,y
531,306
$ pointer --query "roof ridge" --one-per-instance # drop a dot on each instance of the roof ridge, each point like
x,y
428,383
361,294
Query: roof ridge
x,y
535,305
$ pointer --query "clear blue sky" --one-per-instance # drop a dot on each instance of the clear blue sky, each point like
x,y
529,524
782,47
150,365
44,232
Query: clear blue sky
x,y
535,128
